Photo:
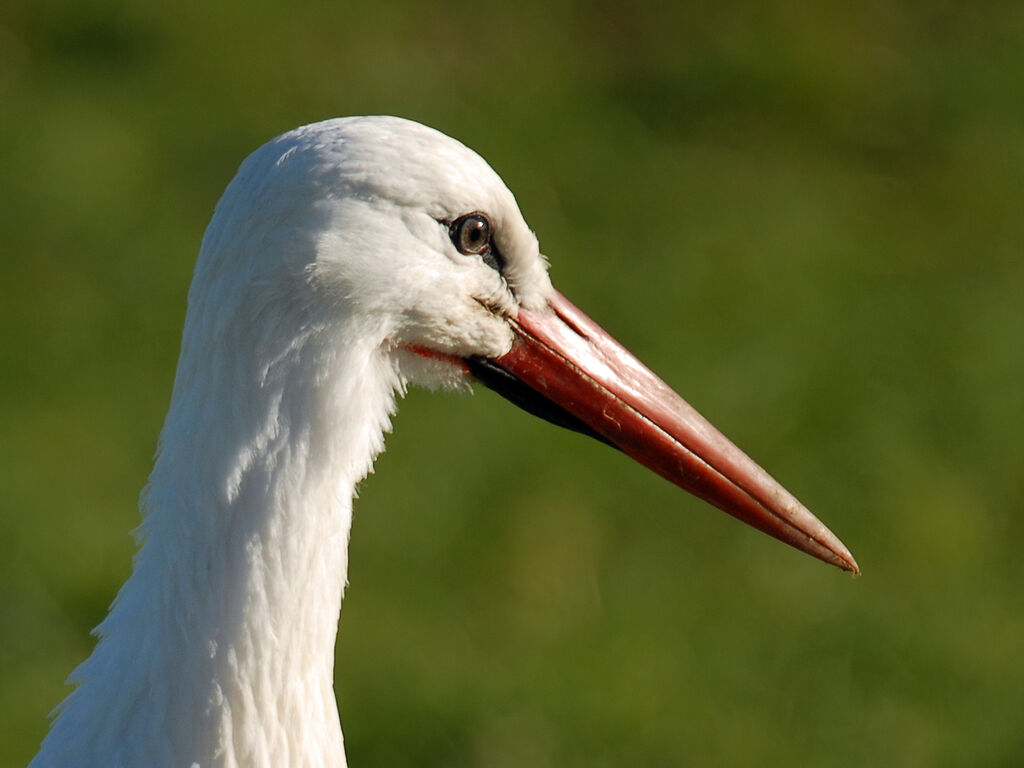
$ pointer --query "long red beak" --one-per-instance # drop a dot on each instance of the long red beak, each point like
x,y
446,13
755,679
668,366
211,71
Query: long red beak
x,y
591,383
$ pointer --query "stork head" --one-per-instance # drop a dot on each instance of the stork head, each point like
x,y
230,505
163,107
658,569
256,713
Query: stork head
x,y
403,236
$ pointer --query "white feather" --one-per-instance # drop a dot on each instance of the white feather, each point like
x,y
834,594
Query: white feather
x,y
325,260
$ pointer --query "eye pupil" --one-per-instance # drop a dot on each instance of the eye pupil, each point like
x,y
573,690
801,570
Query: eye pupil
x,y
471,233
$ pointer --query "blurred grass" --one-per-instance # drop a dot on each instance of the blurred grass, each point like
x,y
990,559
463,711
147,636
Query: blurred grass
x,y
808,220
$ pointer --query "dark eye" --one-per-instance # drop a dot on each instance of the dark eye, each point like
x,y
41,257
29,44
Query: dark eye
x,y
471,234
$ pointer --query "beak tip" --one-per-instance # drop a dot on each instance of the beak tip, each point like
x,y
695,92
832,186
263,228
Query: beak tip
x,y
836,553
849,563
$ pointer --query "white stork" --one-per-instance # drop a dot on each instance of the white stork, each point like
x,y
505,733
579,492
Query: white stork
x,y
346,260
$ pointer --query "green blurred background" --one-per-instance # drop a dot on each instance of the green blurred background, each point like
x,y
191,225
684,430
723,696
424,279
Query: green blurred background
x,y
808,221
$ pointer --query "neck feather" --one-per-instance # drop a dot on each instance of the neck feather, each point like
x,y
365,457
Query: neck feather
x,y
219,649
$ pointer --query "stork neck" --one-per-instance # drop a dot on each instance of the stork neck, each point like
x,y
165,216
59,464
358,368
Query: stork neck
x,y
219,649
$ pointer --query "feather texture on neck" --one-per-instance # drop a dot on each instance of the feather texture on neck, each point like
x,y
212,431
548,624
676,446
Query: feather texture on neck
x,y
219,650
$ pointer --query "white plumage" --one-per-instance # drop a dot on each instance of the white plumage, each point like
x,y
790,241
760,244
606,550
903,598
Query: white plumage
x,y
328,281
